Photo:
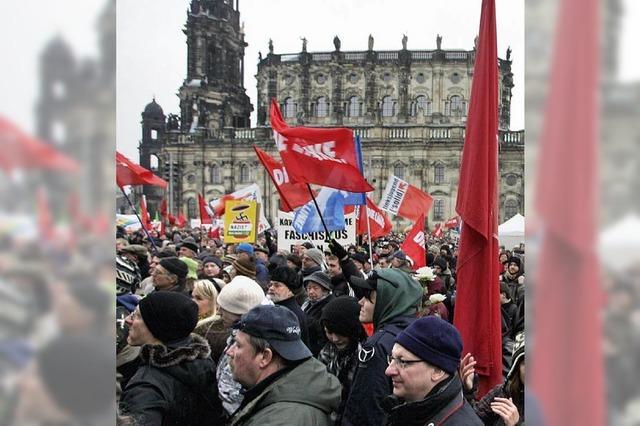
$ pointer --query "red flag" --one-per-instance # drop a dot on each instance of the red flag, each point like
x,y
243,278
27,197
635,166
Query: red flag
x,y
130,173
324,157
378,221
292,195
181,221
20,150
437,231
403,199
205,211
45,220
478,293
569,147
214,232
172,219
413,245
144,214
454,222
163,208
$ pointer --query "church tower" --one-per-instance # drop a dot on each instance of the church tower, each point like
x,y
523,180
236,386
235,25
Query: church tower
x,y
213,96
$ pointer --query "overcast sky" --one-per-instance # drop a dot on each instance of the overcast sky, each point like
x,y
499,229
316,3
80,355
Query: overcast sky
x,y
152,49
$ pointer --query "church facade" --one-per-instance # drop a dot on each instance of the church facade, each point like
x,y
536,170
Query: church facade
x,y
409,108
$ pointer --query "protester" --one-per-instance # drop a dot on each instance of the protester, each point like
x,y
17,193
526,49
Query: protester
x,y
338,281
138,255
284,283
399,260
243,267
391,300
504,404
261,257
210,324
188,248
283,383
422,367
319,287
441,269
175,383
212,271
170,275
344,332
514,278
235,300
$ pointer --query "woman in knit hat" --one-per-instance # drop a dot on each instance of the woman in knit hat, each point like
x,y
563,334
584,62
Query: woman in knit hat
x,y
344,332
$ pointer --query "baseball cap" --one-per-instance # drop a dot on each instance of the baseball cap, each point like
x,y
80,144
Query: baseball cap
x,y
277,325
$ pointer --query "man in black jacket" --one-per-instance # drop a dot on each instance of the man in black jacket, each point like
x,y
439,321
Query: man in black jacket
x,y
282,289
422,368
318,286
175,382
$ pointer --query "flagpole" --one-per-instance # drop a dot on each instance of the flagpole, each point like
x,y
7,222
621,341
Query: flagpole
x,y
366,211
153,244
326,230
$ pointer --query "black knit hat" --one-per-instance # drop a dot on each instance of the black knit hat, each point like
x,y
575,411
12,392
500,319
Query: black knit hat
x,y
441,262
360,257
286,276
191,246
212,259
341,316
175,266
168,315
320,278
433,340
516,260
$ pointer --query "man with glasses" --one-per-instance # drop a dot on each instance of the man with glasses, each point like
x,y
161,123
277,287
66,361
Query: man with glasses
x,y
422,367
390,301
170,275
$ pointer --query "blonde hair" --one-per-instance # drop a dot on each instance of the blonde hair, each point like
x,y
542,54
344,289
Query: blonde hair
x,y
206,289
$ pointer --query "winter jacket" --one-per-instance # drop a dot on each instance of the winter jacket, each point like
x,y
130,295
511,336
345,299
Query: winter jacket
x,y
175,384
444,405
488,417
293,306
262,274
396,307
313,312
340,286
341,364
305,395
216,335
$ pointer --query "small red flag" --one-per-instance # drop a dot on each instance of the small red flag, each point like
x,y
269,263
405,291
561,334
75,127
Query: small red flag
x,y
130,173
414,244
454,222
144,214
437,231
205,211
181,221
379,223
405,200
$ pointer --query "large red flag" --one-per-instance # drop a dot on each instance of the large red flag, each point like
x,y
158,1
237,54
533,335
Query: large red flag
x,y
144,214
378,221
325,157
478,292
405,200
130,173
292,195
205,211
414,244
569,219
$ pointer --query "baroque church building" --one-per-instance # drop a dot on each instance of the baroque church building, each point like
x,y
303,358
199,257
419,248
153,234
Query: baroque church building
x,y
409,108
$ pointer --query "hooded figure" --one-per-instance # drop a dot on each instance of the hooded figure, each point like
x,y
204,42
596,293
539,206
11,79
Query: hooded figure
x,y
392,298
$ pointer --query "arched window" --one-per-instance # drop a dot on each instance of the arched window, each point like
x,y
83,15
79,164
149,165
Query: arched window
x,y
438,174
387,106
511,208
354,107
192,211
438,209
289,108
322,107
244,173
456,104
398,170
153,162
420,106
215,174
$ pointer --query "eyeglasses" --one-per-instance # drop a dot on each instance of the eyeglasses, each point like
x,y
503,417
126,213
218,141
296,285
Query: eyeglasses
x,y
401,363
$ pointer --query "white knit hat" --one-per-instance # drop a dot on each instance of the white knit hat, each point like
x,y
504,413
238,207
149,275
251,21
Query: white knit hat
x,y
240,295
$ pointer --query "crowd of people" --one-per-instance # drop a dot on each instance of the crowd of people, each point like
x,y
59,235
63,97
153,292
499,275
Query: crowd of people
x,y
246,334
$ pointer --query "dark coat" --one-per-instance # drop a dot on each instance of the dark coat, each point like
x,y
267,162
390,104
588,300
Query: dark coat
x,y
370,385
313,313
445,405
293,306
483,407
340,286
174,385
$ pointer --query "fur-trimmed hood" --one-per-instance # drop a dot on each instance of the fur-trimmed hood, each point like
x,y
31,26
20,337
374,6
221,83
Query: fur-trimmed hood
x,y
184,359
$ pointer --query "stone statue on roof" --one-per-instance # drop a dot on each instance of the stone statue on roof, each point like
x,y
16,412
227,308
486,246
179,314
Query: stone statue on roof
x,y
439,42
370,42
336,43
270,47
404,41
304,44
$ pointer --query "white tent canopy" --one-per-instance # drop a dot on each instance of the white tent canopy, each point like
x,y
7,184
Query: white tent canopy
x,y
620,243
511,233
